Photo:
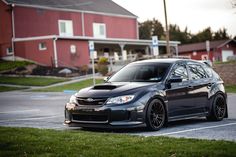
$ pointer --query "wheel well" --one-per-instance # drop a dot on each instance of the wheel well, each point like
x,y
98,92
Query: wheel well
x,y
225,99
165,106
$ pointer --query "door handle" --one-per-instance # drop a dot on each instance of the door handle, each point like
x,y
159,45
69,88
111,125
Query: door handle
x,y
210,84
190,87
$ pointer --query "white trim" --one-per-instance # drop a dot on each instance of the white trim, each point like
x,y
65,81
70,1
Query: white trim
x,y
98,34
13,31
82,23
96,40
42,48
35,38
55,52
74,10
137,29
8,52
5,2
67,23
226,42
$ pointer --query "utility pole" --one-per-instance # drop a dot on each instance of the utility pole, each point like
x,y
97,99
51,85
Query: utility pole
x,y
167,33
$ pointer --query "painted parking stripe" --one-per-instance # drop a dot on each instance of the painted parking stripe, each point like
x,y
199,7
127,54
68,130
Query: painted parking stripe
x,y
36,118
20,111
196,129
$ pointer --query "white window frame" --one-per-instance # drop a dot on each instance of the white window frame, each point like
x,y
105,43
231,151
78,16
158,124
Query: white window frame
x,y
8,51
96,30
41,47
68,27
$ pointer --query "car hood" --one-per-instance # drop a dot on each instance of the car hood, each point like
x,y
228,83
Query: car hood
x,y
114,89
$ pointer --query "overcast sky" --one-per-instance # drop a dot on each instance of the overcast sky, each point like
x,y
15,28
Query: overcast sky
x,y
195,14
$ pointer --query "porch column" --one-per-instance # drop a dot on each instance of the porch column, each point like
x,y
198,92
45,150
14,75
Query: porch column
x,y
124,55
147,50
177,50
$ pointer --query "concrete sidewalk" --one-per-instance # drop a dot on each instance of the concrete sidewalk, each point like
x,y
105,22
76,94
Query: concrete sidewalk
x,y
73,80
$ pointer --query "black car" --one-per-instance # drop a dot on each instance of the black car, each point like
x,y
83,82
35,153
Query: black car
x,y
150,93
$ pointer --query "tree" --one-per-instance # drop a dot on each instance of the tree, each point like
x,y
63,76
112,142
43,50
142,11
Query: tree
x,y
178,35
157,28
153,27
233,2
221,34
149,28
145,30
204,35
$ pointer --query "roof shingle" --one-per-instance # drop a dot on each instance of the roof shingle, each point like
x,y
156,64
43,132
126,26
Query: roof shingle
x,y
100,6
201,46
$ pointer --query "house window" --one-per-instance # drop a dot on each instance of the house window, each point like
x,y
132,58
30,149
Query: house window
x,y
42,46
9,51
65,28
99,30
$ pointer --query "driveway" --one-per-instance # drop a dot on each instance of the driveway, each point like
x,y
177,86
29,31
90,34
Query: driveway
x,y
46,110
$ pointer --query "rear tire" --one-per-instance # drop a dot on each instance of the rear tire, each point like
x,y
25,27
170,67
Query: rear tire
x,y
218,108
156,115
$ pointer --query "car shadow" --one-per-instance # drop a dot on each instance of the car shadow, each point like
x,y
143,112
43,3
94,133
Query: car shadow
x,y
179,123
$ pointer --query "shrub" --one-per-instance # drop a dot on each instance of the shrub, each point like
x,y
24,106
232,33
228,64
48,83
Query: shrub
x,y
84,69
103,66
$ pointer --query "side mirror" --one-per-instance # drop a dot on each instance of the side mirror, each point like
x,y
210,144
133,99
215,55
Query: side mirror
x,y
105,79
175,79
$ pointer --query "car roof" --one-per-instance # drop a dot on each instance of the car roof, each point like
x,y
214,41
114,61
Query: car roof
x,y
168,60
165,60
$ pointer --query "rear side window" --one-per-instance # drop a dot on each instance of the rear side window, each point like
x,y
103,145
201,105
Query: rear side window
x,y
196,72
208,71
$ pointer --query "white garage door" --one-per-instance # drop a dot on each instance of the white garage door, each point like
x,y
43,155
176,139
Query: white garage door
x,y
226,54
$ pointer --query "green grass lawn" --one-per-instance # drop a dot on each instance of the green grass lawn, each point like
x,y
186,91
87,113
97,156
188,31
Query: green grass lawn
x,y
228,62
39,142
230,88
73,86
30,81
7,65
5,88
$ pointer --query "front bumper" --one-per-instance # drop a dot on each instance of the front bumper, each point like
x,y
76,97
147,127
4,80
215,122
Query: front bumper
x,y
113,116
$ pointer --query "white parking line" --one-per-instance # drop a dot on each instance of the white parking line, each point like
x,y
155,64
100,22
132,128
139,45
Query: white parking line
x,y
19,111
196,129
36,118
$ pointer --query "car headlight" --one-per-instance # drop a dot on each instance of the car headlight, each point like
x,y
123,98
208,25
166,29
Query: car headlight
x,y
120,99
73,99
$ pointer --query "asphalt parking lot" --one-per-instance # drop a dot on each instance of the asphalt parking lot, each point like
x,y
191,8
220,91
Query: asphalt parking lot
x,y
46,110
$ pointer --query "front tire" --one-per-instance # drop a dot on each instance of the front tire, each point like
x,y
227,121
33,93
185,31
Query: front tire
x,y
218,109
156,115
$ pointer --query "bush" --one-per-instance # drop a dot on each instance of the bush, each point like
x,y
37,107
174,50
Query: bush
x,y
8,65
103,66
84,69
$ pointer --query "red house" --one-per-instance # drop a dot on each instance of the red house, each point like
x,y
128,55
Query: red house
x,y
218,50
57,32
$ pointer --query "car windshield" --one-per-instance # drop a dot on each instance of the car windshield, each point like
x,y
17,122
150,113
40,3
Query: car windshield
x,y
141,73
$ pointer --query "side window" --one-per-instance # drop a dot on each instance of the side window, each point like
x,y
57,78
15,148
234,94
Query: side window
x,y
196,72
208,71
180,71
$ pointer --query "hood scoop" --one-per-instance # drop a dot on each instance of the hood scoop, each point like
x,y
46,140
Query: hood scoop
x,y
104,87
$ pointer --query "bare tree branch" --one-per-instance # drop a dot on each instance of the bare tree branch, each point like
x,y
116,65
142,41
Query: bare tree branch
x,y
233,2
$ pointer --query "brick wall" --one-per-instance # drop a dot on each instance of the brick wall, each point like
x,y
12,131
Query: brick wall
x,y
227,72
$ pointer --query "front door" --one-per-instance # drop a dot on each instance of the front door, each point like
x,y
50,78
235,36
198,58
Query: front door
x,y
177,93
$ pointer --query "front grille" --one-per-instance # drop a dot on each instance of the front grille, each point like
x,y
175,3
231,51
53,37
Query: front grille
x,y
91,101
98,118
